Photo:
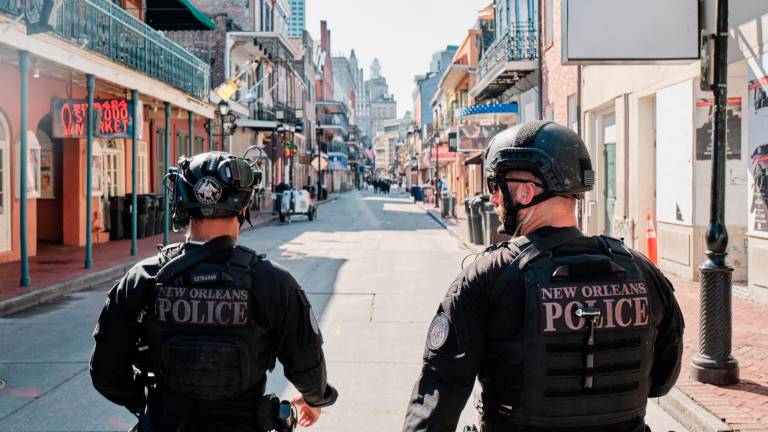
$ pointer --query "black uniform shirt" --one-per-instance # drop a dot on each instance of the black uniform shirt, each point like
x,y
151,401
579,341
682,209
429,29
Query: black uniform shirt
x,y
281,303
448,373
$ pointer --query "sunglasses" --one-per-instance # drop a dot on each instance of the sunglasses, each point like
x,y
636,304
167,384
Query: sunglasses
x,y
493,185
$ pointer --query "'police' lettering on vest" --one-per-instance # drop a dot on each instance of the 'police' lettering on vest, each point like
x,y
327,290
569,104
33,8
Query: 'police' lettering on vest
x,y
202,306
622,305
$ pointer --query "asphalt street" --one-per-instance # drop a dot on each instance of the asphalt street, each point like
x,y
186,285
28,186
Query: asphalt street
x,y
375,268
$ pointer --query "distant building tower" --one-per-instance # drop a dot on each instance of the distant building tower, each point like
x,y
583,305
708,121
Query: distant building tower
x,y
296,24
375,69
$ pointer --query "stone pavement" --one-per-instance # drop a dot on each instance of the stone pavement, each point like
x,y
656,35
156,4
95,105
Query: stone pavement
x,y
744,406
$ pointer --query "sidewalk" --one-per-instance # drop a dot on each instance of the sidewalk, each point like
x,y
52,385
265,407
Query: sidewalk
x,y
57,269
744,406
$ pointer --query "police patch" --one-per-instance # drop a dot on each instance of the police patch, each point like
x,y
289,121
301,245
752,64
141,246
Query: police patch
x,y
438,332
202,306
208,190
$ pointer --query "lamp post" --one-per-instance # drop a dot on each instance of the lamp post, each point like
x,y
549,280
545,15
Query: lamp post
x,y
223,111
713,363
436,142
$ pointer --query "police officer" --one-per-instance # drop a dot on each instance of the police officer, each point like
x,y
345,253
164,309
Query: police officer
x,y
563,332
208,318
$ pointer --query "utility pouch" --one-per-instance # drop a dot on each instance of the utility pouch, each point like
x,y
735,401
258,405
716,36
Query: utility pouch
x,y
204,368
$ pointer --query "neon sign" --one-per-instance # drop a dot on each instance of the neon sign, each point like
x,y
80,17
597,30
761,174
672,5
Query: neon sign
x,y
112,118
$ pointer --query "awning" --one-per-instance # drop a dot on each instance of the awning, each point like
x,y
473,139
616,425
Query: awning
x,y
504,108
263,125
474,159
176,15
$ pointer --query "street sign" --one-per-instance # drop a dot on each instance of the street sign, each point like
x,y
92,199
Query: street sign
x,y
630,31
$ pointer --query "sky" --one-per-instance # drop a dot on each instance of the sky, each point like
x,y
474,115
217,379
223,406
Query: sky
x,y
403,34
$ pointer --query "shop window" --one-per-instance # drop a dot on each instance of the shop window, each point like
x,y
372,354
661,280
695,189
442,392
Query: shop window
x,y
113,168
142,168
33,166
181,145
97,170
47,174
160,167
198,146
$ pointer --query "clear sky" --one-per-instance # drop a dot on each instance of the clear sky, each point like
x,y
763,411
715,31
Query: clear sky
x,y
403,34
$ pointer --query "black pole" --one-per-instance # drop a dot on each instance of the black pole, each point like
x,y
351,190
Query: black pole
x,y
166,157
318,169
713,364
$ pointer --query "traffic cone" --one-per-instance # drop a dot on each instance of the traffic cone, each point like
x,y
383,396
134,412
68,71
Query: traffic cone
x,y
650,233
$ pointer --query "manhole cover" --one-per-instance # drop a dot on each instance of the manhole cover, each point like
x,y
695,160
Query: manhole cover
x,y
2,383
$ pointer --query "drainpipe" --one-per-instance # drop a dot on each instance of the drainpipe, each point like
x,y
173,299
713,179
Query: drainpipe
x,y
134,161
166,216
24,78
90,84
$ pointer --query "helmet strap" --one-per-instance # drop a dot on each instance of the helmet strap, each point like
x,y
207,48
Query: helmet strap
x,y
511,225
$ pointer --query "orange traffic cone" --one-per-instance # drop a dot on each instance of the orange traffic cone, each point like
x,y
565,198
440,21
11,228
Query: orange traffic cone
x,y
650,232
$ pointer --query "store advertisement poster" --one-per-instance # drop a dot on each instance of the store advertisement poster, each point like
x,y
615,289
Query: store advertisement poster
x,y
757,110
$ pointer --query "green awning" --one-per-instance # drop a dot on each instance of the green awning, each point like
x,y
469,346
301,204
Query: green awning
x,y
177,15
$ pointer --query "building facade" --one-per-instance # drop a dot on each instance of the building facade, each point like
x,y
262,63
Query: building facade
x,y
145,112
296,23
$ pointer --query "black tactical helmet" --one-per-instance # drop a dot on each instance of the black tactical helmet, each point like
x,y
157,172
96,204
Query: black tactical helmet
x,y
549,150
211,185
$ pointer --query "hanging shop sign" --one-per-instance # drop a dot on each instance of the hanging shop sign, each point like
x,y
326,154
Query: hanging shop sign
x,y
453,142
113,118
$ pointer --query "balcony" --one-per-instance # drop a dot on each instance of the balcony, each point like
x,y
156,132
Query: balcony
x,y
104,28
508,60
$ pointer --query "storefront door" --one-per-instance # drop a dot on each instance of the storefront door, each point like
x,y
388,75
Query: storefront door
x,y
609,170
5,185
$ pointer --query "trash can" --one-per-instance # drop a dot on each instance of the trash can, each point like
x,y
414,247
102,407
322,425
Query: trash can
x,y
477,215
117,210
491,225
159,214
323,193
447,205
418,193
151,204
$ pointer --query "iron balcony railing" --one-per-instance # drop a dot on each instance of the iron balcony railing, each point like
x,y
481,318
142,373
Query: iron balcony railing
x,y
517,43
9,7
109,30
334,120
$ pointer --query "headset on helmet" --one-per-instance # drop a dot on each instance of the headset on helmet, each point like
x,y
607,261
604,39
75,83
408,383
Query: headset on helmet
x,y
211,185
549,150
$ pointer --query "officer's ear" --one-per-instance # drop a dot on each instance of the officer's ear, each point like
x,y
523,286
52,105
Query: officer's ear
x,y
525,193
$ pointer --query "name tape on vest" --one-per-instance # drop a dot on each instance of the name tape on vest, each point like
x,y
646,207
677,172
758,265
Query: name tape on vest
x,y
622,305
203,306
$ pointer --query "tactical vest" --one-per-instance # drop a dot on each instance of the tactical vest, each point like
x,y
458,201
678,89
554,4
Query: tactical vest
x,y
203,335
584,354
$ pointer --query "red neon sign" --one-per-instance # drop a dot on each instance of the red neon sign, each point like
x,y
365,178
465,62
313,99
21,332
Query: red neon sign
x,y
112,118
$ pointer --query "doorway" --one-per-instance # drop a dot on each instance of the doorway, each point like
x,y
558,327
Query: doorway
x,y
5,185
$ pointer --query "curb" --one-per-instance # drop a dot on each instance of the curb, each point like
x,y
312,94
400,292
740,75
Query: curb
x,y
451,230
56,291
689,413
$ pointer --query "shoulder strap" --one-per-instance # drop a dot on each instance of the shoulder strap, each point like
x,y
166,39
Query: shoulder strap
x,y
178,265
240,262
532,249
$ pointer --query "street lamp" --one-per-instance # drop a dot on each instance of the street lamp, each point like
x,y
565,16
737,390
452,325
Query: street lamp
x,y
223,111
436,143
